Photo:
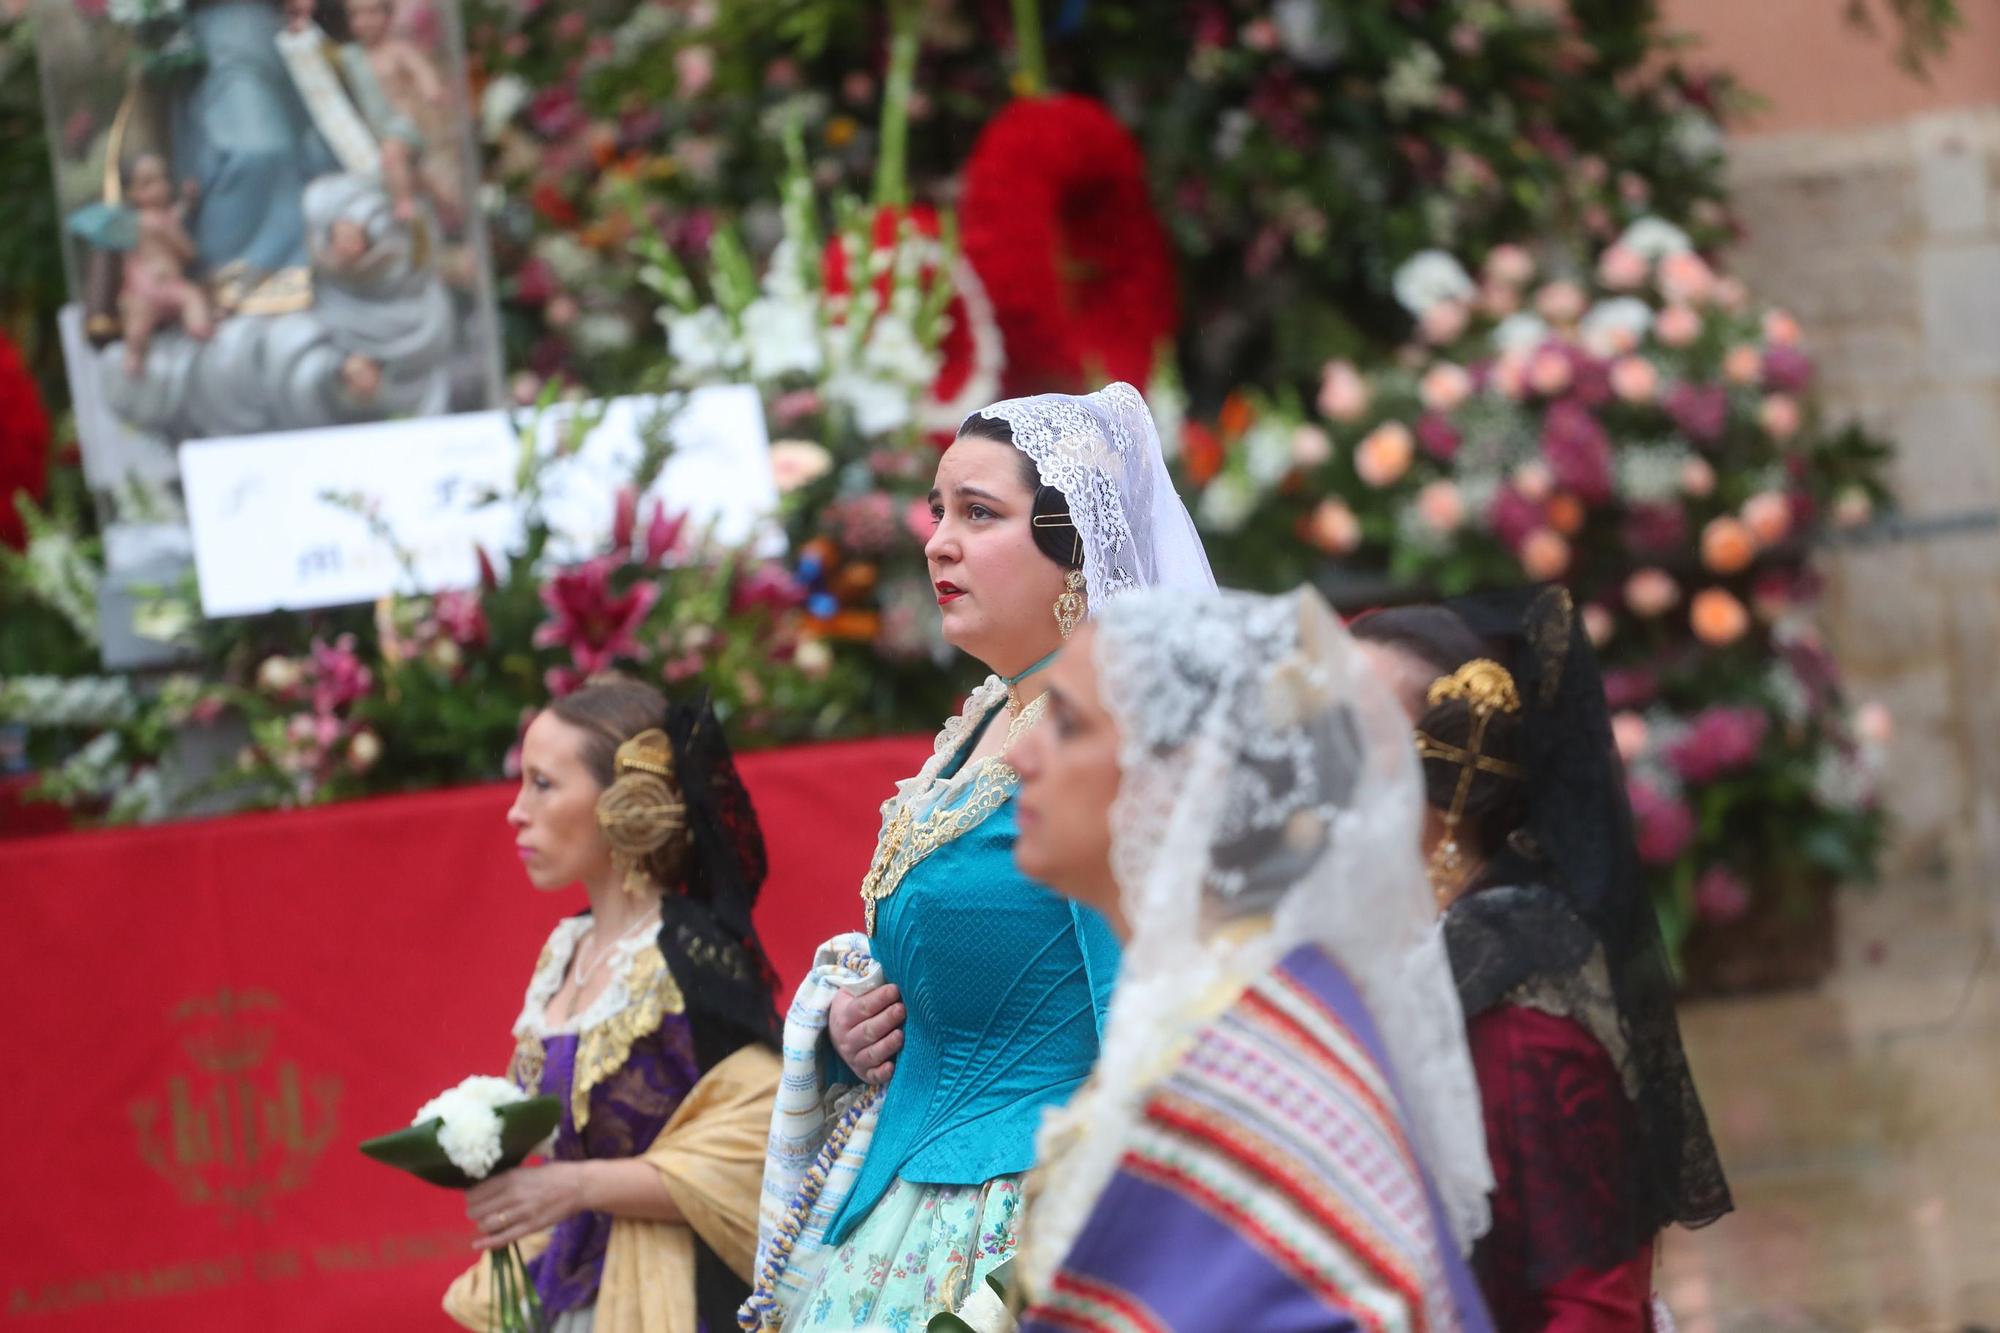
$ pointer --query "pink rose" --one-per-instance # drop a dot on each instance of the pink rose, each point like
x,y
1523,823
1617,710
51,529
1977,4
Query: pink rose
x,y
1634,379
1508,376
1621,268
1549,372
1444,322
1779,416
1730,294
1561,302
1385,454
694,70
1768,515
1310,448
1343,393
1598,625
1874,724
1780,328
1510,264
1686,279
1499,300
1743,364
1698,477
1441,506
1651,592
1677,326
1630,732
1534,481
1445,387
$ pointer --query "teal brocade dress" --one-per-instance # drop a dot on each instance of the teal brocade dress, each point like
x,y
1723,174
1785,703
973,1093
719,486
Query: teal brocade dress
x,y
1006,986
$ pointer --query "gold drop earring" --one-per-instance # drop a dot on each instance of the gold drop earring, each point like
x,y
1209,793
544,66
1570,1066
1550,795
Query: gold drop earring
x,y
1069,606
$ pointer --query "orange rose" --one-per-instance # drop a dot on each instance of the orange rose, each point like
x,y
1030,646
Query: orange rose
x,y
1385,454
1333,528
1544,555
1718,618
1565,513
1727,545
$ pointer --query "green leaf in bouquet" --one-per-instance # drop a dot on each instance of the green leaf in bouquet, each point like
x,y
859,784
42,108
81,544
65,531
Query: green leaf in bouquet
x,y
523,1125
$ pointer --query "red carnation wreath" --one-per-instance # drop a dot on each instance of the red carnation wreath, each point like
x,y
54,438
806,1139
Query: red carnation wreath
x,y
970,348
24,442
1057,220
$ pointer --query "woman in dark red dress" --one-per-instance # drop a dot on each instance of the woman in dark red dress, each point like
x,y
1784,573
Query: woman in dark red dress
x,y
1596,1133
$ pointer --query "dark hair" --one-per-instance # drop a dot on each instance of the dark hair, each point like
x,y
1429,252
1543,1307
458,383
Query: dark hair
x,y
609,713
1059,541
1495,806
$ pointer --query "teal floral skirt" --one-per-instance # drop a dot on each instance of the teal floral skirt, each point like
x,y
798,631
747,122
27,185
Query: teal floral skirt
x,y
919,1252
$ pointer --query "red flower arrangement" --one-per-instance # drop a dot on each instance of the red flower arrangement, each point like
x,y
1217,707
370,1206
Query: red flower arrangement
x,y
969,346
24,443
1057,221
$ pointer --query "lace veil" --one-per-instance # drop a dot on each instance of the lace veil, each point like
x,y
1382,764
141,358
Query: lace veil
x,y
1102,452
1270,797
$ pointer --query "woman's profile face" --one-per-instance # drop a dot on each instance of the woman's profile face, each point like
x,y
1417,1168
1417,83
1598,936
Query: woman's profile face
x,y
554,816
996,591
1069,777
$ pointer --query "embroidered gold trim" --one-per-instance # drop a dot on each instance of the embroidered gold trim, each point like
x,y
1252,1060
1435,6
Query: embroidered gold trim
x,y
602,1049
908,840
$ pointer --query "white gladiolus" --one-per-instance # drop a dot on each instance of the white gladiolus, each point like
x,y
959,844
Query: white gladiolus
x,y
879,405
783,336
1430,277
702,343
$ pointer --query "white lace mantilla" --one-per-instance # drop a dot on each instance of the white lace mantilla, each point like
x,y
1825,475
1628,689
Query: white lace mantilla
x,y
1269,798
1102,452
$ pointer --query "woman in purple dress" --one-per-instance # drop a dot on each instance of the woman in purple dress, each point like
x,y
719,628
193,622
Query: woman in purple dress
x,y
1282,1131
650,1016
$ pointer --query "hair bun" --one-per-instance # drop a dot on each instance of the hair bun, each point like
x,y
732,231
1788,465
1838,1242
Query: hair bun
x,y
643,806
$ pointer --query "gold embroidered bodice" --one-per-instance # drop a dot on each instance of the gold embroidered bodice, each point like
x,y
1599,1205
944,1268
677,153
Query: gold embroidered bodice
x,y
908,836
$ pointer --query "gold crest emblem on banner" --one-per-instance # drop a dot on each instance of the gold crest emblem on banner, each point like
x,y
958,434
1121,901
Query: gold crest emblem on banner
x,y
233,1127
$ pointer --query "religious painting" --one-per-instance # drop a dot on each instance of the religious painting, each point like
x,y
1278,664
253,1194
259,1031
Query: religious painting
x,y
270,222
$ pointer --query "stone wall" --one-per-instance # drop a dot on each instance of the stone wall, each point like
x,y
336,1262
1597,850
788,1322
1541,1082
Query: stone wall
x,y
1886,244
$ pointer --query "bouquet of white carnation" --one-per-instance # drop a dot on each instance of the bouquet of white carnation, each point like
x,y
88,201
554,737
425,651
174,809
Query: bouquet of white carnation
x,y
459,1138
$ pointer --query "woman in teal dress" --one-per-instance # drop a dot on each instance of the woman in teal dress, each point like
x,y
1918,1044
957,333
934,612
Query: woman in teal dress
x,y
1044,509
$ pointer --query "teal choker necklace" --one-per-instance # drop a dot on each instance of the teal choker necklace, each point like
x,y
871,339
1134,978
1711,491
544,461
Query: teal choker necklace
x,y
1013,697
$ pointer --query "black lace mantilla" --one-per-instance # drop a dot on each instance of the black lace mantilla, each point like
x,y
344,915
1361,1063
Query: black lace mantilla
x,y
1586,891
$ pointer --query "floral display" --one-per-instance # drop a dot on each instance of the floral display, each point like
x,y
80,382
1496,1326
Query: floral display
x,y
1637,428
1427,297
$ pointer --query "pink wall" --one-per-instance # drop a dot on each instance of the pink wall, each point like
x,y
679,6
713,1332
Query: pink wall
x,y
1817,72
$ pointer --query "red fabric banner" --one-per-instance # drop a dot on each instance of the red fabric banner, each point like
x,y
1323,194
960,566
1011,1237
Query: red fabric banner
x,y
209,1016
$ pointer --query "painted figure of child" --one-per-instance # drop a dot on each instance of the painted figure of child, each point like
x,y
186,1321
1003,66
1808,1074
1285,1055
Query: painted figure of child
x,y
156,289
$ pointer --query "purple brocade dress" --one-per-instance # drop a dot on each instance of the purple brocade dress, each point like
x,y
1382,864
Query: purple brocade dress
x,y
627,1104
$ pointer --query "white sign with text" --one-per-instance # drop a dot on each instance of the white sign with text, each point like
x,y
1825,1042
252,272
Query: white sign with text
x,y
349,514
